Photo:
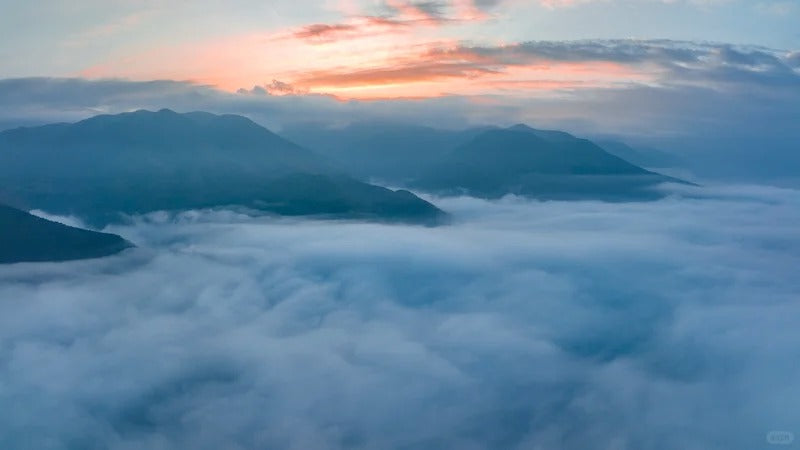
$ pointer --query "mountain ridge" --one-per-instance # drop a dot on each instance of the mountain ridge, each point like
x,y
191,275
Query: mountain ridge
x,y
545,164
144,161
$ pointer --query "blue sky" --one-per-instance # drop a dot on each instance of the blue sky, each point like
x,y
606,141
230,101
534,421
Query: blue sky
x,y
62,39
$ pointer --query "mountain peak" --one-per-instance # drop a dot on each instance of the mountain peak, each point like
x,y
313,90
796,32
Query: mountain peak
x,y
165,138
548,135
143,112
521,127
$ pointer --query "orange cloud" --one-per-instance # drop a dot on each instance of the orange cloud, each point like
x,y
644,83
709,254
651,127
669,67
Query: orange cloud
x,y
441,71
368,68
359,27
403,16
367,57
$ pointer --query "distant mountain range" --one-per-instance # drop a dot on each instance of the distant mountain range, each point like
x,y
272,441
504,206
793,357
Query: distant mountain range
x,y
388,152
538,163
27,238
491,161
144,161
108,166
645,157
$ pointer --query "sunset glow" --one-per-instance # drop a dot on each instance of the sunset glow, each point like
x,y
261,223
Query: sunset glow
x,y
409,52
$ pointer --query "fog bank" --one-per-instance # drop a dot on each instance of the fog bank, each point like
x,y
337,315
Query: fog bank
x,y
530,325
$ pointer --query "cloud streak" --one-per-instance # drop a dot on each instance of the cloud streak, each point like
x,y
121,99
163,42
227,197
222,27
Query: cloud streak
x,y
363,59
400,17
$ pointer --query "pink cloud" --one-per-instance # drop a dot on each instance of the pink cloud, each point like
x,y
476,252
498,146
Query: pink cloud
x,y
370,56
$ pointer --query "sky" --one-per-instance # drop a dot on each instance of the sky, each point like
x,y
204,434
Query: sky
x,y
718,80
377,49
523,325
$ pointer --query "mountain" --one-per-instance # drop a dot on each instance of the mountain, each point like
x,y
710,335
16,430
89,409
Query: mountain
x,y
144,161
396,153
485,161
27,238
554,136
645,157
538,163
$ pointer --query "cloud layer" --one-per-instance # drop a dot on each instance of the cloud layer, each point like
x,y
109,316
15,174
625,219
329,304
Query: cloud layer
x,y
524,325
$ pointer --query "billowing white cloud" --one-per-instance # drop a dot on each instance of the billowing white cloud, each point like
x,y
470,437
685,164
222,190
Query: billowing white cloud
x,y
660,325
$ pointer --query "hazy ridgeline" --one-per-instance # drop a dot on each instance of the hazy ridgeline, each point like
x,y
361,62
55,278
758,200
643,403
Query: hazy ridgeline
x,y
102,168
108,166
524,324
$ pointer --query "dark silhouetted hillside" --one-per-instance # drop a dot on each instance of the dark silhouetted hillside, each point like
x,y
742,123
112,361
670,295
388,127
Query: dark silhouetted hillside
x,y
27,238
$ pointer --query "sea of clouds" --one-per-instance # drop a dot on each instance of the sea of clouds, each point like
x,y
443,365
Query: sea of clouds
x,y
523,325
